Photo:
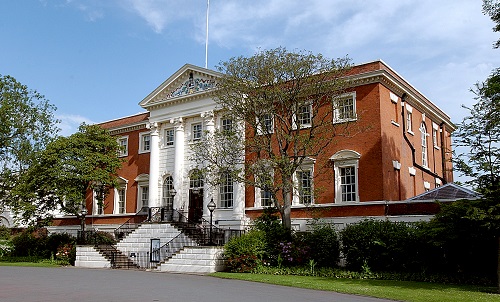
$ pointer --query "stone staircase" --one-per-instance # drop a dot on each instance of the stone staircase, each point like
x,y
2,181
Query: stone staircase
x,y
183,255
195,260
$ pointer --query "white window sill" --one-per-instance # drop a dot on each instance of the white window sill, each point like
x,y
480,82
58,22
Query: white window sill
x,y
339,121
394,123
411,132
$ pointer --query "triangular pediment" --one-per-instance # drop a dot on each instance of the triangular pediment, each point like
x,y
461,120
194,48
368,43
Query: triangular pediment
x,y
189,81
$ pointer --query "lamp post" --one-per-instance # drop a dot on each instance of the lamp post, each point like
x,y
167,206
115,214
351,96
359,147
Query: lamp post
x,y
211,207
170,207
83,213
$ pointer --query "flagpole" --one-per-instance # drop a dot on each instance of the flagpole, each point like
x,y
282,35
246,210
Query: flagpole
x,y
206,39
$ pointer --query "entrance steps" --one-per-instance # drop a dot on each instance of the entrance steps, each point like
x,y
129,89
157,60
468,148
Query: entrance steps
x,y
195,260
136,248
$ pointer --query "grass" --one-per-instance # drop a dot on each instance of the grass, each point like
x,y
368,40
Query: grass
x,y
388,289
32,264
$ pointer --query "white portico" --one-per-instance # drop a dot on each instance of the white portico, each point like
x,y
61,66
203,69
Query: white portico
x,y
181,110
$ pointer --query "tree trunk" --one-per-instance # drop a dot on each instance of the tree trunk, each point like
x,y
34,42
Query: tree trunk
x,y
286,219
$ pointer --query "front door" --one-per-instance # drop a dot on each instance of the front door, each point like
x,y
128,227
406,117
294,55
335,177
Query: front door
x,y
195,206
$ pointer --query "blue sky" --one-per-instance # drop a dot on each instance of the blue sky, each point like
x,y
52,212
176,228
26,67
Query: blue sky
x,y
95,60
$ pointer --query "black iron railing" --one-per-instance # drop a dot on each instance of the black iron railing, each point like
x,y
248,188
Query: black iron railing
x,y
131,224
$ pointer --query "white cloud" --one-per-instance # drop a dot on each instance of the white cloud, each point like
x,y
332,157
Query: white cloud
x,y
70,123
159,13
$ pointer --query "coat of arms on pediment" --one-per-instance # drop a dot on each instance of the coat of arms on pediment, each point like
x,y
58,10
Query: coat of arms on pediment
x,y
192,85
189,80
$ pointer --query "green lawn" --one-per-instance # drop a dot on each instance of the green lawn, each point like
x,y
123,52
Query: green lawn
x,y
396,290
34,264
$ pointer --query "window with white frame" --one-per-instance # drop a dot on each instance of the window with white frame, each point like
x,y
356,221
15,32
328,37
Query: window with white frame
x,y
145,142
435,136
195,180
142,181
168,198
264,179
305,181
123,143
226,124
409,119
226,191
169,137
304,116
346,163
266,198
265,125
98,205
120,198
197,131
423,135
144,196
344,108
121,202
348,183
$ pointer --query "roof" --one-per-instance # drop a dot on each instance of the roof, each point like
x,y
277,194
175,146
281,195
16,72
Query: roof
x,y
449,191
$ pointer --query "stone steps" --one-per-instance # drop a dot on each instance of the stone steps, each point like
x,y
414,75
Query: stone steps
x,y
195,260
88,256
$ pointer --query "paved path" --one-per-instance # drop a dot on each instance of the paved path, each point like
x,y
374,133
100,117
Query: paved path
x,y
30,284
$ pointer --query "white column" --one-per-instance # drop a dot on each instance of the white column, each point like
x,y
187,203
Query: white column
x,y
154,160
209,122
178,162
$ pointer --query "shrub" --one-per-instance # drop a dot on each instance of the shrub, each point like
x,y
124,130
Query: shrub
x,y
274,233
66,253
5,233
30,242
6,247
245,253
323,245
381,245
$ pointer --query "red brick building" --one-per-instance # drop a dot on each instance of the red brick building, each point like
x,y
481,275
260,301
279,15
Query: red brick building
x,y
404,150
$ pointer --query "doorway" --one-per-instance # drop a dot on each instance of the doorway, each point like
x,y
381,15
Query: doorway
x,y
195,213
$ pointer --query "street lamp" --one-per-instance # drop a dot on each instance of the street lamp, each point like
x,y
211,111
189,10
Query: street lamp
x,y
211,207
83,213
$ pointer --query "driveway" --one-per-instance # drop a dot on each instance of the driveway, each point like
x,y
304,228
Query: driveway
x,y
30,284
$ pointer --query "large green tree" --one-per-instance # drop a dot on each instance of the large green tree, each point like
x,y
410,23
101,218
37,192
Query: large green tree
x,y
27,124
480,133
492,9
66,172
281,107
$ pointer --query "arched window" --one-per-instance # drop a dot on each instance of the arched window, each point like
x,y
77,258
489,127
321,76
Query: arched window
x,y
346,164
168,198
423,135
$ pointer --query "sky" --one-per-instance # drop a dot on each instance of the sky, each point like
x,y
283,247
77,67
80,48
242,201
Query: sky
x,y
95,60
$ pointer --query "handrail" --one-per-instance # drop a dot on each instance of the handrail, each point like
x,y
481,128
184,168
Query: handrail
x,y
131,224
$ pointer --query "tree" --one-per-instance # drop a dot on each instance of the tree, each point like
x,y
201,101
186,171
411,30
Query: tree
x,y
280,107
480,132
66,172
27,124
492,8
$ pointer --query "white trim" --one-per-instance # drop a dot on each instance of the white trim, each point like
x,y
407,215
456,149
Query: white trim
x,y
141,142
345,159
122,184
354,117
394,97
123,153
412,171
